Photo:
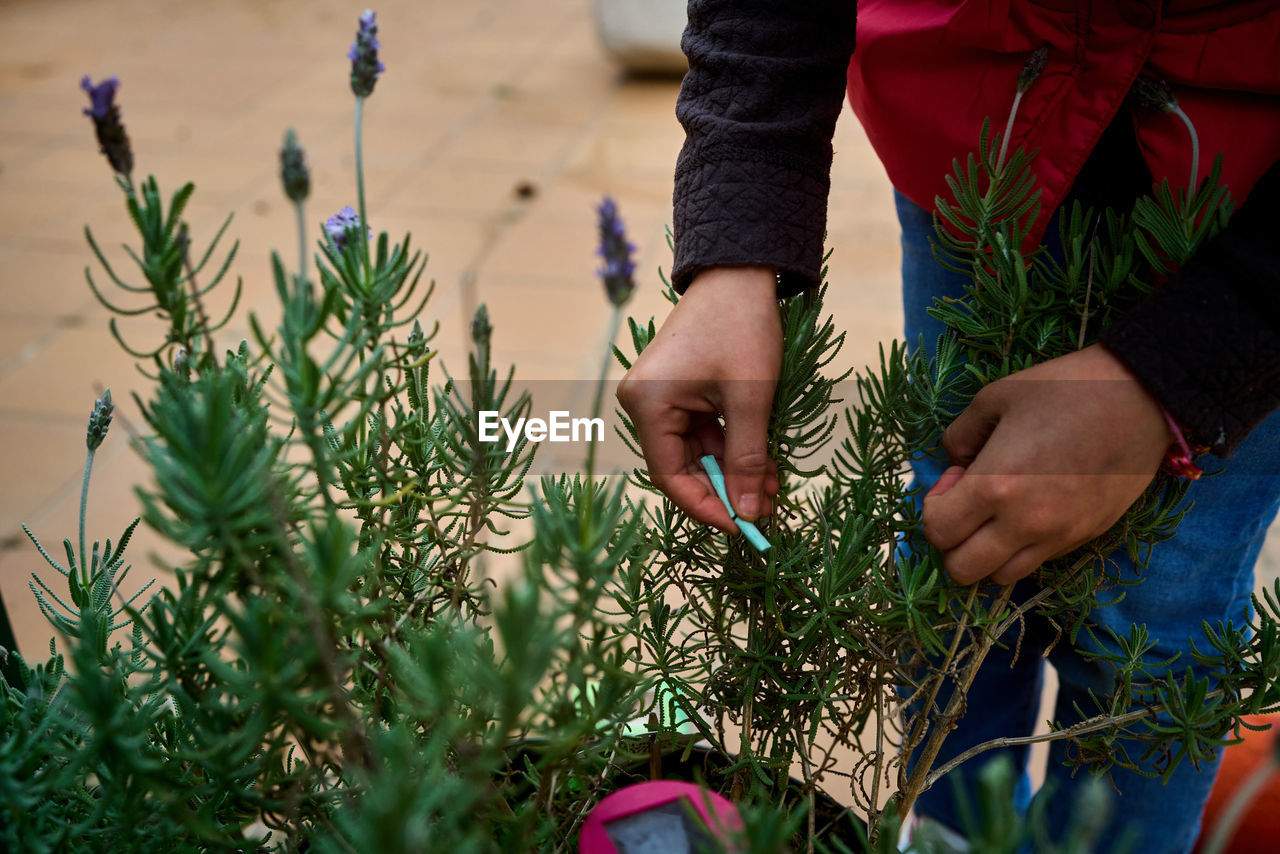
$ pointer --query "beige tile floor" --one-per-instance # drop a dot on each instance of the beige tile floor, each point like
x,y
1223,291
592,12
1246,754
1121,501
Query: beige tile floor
x,y
479,98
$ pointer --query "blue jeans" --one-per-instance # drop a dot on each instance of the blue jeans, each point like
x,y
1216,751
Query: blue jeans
x,y
1204,573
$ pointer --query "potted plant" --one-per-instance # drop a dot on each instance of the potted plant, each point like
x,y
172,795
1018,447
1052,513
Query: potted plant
x,y
329,668
642,35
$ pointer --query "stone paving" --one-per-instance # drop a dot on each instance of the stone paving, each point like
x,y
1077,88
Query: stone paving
x,y
496,128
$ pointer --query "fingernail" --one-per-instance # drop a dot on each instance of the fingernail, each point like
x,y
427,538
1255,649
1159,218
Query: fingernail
x,y
949,478
749,506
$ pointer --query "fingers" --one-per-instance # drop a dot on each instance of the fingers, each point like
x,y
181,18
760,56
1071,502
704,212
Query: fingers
x,y
964,439
1003,527
691,491
967,515
746,456
992,546
672,439
1051,459
719,352
958,506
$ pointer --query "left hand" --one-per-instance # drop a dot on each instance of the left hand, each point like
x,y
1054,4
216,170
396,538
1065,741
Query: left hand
x,y
1044,460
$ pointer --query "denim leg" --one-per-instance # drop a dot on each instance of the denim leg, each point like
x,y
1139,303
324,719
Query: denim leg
x,y
1203,573
923,279
1005,695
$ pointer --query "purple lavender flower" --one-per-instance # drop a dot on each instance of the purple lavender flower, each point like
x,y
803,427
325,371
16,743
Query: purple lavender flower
x,y
341,225
112,139
619,270
102,96
365,66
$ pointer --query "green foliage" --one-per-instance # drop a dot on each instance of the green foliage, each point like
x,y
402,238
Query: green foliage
x,y
331,668
165,263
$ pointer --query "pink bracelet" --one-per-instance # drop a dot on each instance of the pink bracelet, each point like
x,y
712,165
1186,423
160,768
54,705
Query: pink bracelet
x,y
1178,460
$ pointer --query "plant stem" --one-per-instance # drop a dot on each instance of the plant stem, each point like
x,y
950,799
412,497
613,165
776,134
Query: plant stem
x,y
364,221
84,504
1195,151
1082,728
955,707
748,709
873,808
1008,129
615,323
809,785
354,739
196,302
302,239
1024,607
1088,292
918,730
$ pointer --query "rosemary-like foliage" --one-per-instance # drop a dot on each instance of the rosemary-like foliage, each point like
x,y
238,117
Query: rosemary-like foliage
x,y
847,638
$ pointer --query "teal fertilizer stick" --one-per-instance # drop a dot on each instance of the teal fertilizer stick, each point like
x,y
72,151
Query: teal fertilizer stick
x,y
750,531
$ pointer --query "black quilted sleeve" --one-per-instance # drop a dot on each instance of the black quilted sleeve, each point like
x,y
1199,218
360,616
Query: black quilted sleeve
x,y
759,105
1207,344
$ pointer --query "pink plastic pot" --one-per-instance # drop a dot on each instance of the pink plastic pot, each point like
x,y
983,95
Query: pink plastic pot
x,y
654,818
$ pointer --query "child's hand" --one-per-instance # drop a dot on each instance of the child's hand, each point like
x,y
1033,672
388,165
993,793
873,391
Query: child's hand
x,y
1045,460
719,352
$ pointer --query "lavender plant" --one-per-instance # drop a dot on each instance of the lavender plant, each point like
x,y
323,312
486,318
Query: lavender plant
x,y
329,668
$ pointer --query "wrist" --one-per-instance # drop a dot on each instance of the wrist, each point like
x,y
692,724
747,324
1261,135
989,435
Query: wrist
x,y
749,283
1179,460
1180,454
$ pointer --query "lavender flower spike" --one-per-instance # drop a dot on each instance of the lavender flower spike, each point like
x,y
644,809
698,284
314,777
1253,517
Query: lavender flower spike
x,y
1155,94
341,225
1032,68
112,139
481,328
293,168
101,97
365,66
99,421
619,270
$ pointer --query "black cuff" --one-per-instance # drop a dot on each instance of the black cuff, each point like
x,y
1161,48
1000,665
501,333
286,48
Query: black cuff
x,y
749,208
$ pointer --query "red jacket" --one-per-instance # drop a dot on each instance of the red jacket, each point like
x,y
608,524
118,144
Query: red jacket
x,y
765,87
939,68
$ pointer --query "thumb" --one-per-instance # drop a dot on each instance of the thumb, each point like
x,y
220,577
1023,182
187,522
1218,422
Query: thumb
x,y
746,453
966,436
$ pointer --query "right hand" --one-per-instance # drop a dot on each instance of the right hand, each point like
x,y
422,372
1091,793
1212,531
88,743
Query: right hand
x,y
719,352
